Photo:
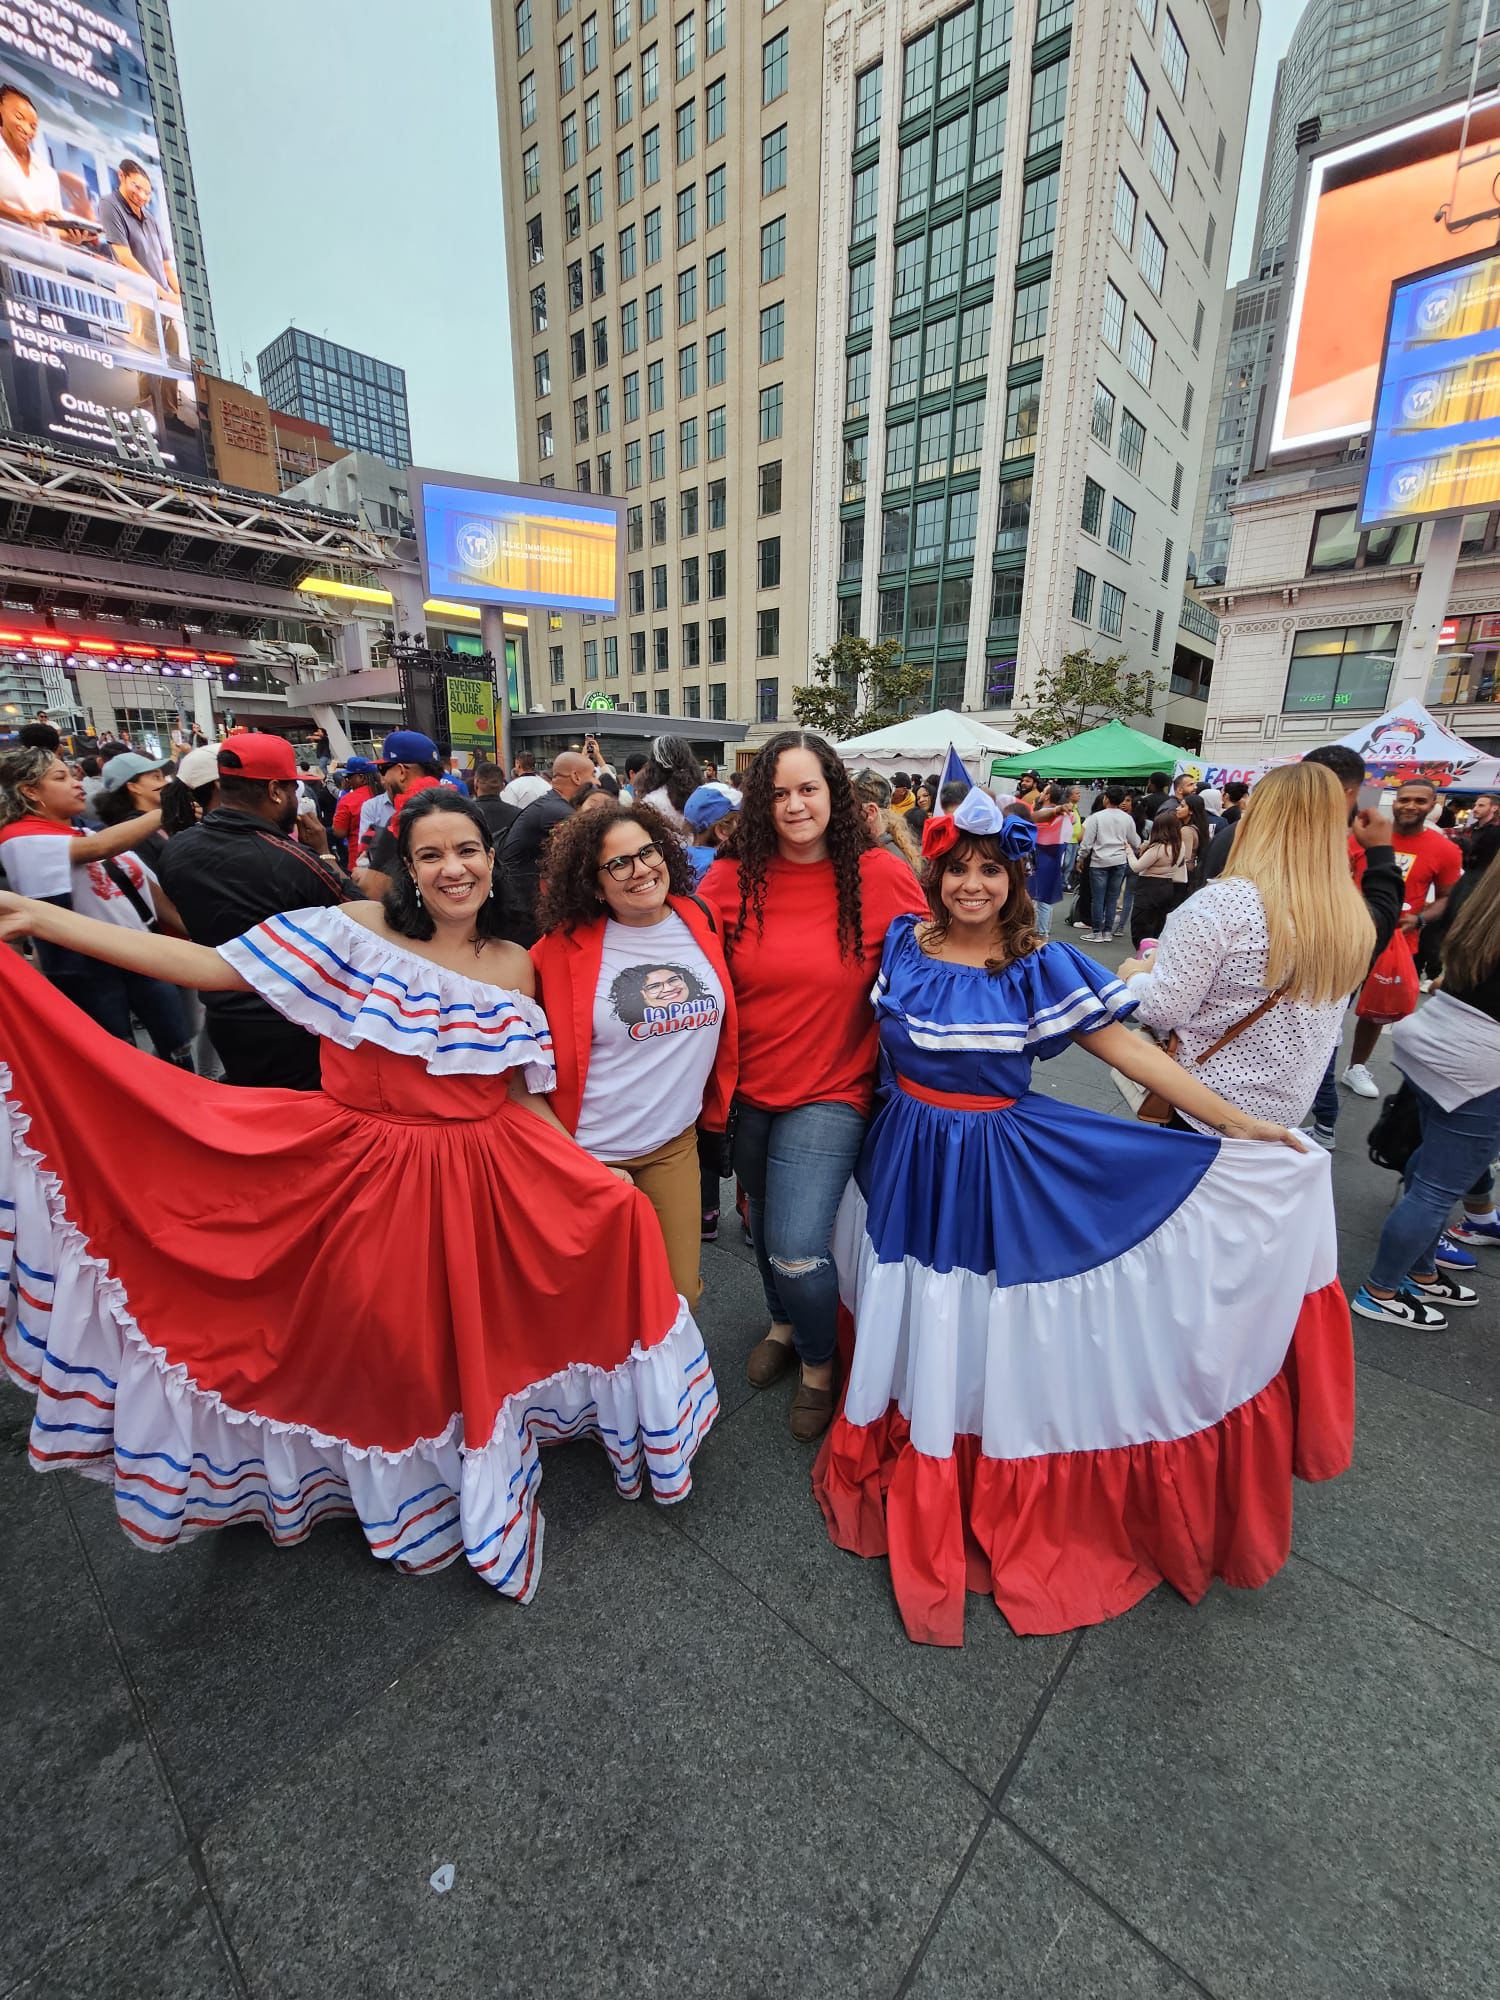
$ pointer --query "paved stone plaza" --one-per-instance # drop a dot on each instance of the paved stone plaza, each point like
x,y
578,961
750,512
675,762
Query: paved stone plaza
x,y
707,1762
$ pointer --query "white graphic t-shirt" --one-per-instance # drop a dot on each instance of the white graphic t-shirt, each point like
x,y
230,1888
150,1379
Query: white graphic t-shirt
x,y
658,1009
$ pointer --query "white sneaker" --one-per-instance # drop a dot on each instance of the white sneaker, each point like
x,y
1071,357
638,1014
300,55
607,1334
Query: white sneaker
x,y
1358,1079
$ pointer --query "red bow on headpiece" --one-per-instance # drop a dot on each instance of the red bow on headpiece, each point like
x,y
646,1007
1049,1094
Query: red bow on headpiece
x,y
938,835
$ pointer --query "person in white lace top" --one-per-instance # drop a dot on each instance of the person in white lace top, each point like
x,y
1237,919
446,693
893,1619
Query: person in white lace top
x,y
1220,958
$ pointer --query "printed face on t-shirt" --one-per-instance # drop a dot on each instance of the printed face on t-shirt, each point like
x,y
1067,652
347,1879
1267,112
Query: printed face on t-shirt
x,y
655,1000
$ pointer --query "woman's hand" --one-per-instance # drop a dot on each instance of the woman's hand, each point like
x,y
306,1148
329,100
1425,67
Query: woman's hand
x,y
1132,966
18,916
623,1174
1241,1127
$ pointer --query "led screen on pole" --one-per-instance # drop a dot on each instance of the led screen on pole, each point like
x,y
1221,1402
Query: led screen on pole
x,y
1369,216
491,542
1435,441
91,320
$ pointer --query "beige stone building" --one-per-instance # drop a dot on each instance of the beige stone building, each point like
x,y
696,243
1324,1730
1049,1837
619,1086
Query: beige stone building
x,y
885,316
1316,631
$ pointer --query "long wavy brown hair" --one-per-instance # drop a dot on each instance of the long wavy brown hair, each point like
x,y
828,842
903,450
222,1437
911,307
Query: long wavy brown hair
x,y
573,896
1015,928
754,846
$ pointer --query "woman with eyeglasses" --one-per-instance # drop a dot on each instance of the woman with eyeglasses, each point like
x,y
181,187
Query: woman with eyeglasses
x,y
212,1333
630,969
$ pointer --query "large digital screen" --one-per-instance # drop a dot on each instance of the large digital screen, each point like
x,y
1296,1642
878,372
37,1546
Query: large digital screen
x,y
91,319
489,542
1369,215
1435,441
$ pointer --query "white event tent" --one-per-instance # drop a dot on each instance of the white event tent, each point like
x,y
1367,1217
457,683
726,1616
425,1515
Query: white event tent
x,y
920,743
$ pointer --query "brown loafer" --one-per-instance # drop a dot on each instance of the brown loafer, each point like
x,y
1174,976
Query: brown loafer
x,y
811,1413
768,1361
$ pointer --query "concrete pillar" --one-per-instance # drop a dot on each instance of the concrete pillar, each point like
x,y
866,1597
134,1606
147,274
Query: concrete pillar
x,y
1418,652
492,637
203,705
407,614
328,718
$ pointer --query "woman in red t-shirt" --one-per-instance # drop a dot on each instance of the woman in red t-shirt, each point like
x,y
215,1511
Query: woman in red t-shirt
x,y
806,901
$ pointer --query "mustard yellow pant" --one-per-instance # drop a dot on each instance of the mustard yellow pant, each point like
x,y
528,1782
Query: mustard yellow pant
x,y
668,1178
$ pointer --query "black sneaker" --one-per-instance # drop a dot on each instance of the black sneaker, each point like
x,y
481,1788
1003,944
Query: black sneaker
x,y
711,1226
1444,1290
1403,1309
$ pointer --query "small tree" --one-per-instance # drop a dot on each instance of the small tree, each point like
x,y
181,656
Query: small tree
x,y
858,686
1080,692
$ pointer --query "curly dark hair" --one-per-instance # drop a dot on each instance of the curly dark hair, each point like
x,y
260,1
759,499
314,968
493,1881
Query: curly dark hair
x,y
672,766
404,909
754,845
572,896
1018,934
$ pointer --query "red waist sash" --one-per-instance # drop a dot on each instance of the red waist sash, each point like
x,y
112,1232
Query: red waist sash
x,y
953,1100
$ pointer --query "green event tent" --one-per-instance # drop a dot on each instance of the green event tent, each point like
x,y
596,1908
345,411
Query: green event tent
x,y
1114,750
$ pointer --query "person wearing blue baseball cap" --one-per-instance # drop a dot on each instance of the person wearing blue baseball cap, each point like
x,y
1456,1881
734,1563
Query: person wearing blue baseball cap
x,y
712,812
409,765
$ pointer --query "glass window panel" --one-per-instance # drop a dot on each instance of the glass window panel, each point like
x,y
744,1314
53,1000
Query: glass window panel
x,y
994,35
946,258
937,365
952,158
989,136
918,73
866,186
974,341
915,176
1029,330
773,161
1038,217
906,365
1335,541
1022,408
1015,515
1049,107
957,61
867,107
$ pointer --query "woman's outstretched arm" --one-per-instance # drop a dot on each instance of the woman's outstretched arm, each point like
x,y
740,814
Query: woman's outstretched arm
x,y
175,960
1141,1060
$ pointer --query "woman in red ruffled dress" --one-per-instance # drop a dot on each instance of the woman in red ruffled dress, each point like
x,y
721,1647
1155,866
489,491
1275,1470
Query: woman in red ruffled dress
x,y
378,1300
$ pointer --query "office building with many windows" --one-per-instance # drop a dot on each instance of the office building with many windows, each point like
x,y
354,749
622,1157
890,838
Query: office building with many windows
x,y
1027,212
660,166
361,400
782,275
1316,614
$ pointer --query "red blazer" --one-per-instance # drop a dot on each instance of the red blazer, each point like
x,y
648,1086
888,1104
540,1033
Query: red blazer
x,y
567,971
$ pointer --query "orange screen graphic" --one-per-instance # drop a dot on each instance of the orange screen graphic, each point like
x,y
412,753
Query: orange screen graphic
x,y
1364,236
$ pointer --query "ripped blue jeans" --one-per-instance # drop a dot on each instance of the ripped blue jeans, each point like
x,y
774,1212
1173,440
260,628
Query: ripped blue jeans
x,y
795,1166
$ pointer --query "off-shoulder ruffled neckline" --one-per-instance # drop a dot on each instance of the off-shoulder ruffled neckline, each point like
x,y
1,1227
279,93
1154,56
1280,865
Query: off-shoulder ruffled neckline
x,y
395,950
981,972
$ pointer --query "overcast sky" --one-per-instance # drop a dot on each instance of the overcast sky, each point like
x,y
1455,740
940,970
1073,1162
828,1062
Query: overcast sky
x,y
348,172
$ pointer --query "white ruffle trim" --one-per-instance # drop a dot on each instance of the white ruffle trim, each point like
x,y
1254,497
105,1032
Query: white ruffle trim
x,y
112,1406
334,977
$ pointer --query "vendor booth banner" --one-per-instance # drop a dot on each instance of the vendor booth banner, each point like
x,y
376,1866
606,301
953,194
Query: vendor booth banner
x,y
1407,743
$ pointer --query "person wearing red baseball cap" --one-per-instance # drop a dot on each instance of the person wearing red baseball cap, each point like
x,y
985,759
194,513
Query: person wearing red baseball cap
x,y
236,867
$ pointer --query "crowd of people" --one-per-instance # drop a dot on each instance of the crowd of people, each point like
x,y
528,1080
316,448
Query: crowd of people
x,y
520,1027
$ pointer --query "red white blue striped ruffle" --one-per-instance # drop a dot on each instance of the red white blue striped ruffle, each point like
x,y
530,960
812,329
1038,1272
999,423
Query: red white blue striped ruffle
x,y
181,1461
334,977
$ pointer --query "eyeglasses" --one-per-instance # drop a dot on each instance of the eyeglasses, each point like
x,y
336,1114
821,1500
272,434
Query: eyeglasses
x,y
624,864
